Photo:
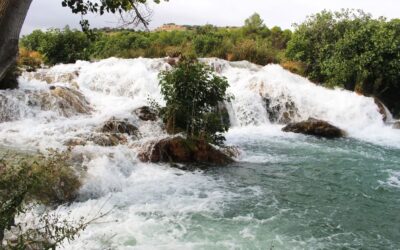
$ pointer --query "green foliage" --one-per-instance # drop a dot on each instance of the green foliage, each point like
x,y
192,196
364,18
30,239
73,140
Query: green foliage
x,y
254,42
25,179
351,50
58,46
192,93
84,7
253,24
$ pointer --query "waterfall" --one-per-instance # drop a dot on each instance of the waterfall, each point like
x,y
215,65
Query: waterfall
x,y
263,96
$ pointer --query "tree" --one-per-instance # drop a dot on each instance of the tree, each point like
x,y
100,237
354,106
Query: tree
x,y
253,24
192,93
352,50
58,46
13,13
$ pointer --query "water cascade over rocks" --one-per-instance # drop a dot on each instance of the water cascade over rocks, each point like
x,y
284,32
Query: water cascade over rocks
x,y
100,111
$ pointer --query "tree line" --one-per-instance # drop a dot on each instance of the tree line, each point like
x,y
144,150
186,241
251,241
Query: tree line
x,y
348,49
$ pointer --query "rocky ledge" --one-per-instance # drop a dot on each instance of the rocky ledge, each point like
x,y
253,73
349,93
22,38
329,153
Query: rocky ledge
x,y
315,127
181,150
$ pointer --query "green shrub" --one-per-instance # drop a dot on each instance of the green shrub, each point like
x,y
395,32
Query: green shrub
x,y
58,46
351,50
25,179
192,93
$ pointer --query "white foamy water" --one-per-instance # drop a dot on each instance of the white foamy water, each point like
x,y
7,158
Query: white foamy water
x,y
153,206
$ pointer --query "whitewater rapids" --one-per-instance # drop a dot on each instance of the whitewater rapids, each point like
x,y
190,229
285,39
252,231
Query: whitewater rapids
x,y
156,207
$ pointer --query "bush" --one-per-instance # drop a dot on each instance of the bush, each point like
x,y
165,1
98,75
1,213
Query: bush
x,y
25,179
58,46
192,93
351,50
31,60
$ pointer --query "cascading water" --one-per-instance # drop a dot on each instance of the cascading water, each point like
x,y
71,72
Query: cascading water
x,y
286,191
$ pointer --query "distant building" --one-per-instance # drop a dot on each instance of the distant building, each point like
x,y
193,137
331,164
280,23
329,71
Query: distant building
x,y
171,27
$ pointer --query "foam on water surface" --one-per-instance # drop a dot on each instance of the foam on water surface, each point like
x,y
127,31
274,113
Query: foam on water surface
x,y
256,204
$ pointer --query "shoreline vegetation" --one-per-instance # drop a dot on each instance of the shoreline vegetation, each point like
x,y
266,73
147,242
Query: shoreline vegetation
x,y
347,49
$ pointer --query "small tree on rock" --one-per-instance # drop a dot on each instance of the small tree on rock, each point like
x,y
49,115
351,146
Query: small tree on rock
x,y
192,92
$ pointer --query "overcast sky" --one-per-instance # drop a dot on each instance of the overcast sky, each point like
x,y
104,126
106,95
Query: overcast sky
x,y
49,13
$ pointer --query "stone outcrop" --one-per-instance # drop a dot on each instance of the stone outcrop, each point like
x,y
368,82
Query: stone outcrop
x,y
64,101
116,126
112,133
315,127
181,150
46,75
146,113
68,101
281,110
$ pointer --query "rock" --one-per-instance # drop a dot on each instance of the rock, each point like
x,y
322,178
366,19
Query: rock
x,y
101,139
71,98
108,140
180,150
381,109
115,126
231,151
49,76
146,113
396,125
281,110
75,142
315,127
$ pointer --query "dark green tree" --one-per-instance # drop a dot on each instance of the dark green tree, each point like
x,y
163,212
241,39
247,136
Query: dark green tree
x,y
352,50
192,92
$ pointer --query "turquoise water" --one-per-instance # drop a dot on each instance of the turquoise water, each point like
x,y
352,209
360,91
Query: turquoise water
x,y
309,193
287,192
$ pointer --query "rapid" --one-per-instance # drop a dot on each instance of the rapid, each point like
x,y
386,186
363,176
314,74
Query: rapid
x,y
285,191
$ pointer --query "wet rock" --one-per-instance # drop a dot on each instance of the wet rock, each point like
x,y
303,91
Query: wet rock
x,y
396,125
49,76
146,113
315,127
75,142
180,150
381,108
101,139
70,99
231,151
281,110
115,126
108,140
64,101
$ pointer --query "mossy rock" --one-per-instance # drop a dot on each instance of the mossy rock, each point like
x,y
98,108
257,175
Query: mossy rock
x,y
181,150
315,127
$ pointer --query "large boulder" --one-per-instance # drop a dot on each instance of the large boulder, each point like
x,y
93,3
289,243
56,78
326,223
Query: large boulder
x,y
146,113
104,140
68,101
315,127
111,133
281,110
116,126
181,150
64,101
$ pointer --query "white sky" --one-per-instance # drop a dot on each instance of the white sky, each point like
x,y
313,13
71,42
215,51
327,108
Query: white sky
x,y
49,13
